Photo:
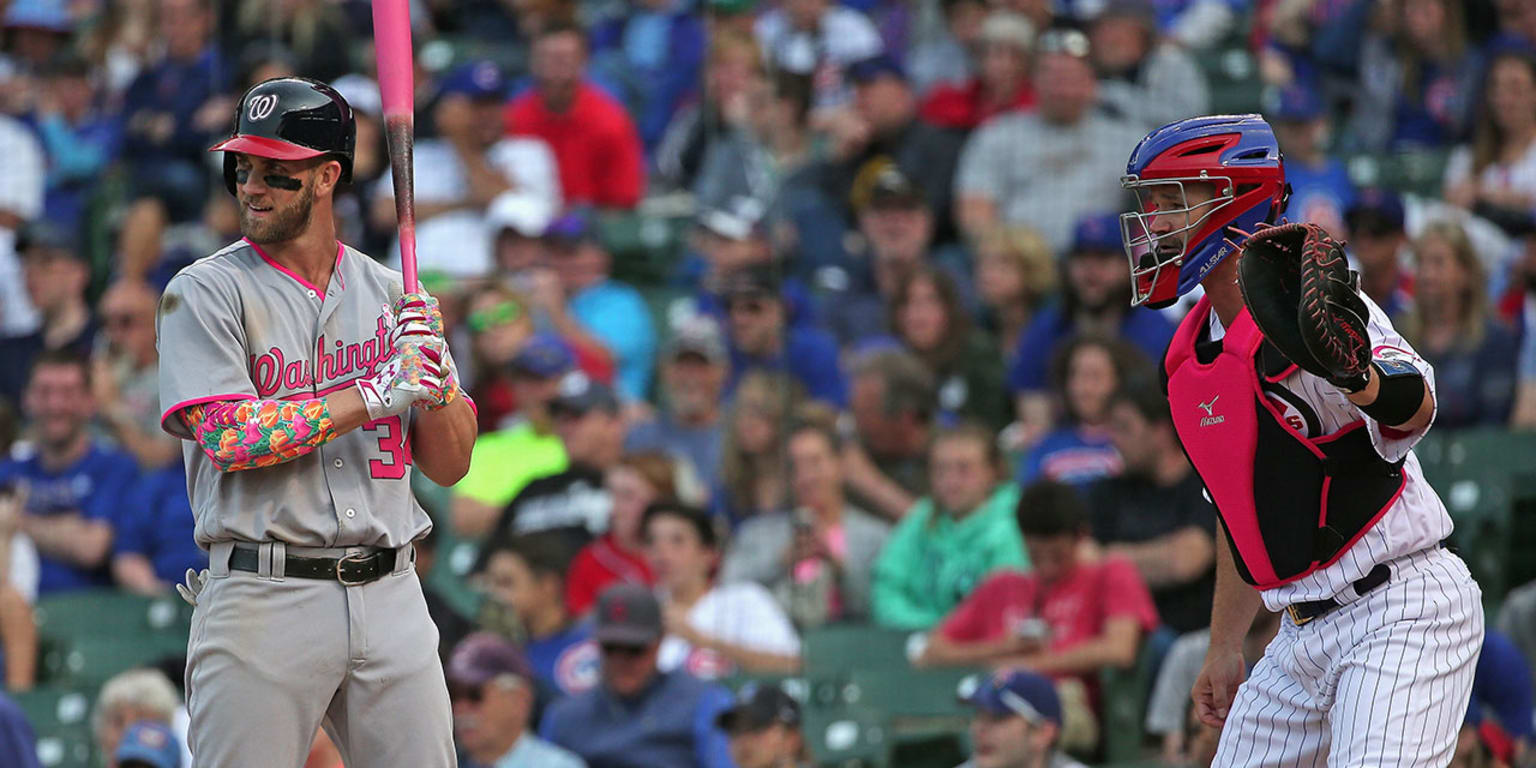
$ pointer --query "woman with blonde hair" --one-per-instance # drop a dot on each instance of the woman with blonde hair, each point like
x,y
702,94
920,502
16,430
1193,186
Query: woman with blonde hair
x,y
1015,273
753,476
1451,326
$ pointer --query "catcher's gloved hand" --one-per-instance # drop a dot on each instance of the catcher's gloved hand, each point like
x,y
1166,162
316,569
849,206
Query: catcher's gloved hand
x,y
413,372
1303,296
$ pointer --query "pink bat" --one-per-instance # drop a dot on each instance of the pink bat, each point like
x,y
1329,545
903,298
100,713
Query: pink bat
x,y
392,51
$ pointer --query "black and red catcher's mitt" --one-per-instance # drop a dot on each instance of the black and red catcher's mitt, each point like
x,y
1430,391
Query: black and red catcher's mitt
x,y
1302,294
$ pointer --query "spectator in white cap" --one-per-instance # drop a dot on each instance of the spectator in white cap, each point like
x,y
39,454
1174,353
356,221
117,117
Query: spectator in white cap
x,y
466,167
517,221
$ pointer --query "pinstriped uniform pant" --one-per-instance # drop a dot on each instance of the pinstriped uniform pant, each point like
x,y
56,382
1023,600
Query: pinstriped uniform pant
x,y
1381,681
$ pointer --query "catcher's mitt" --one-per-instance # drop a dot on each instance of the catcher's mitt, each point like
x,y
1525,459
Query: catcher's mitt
x,y
1304,297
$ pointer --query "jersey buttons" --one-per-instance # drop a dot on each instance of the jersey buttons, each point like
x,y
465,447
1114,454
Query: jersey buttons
x,y
312,294
351,513
337,463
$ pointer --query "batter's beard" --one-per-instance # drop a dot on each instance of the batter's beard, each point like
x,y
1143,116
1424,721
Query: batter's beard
x,y
281,225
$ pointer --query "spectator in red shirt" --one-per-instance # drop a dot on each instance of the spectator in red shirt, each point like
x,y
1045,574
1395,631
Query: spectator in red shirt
x,y
1001,83
618,556
594,141
1067,616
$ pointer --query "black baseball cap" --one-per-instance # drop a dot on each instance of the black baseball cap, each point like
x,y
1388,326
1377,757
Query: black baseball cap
x,y
759,706
579,393
757,280
627,615
892,188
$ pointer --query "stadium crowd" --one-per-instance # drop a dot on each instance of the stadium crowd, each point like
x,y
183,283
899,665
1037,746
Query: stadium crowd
x,y
886,372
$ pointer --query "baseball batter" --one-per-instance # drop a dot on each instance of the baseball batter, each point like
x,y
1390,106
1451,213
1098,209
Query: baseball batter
x,y
306,386
1299,405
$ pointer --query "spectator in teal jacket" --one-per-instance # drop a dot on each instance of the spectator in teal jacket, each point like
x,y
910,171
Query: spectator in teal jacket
x,y
949,541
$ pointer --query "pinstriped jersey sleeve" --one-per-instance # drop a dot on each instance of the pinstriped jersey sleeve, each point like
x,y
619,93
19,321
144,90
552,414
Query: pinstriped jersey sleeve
x,y
201,336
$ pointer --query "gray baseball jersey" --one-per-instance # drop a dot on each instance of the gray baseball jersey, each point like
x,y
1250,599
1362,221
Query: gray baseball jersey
x,y
238,325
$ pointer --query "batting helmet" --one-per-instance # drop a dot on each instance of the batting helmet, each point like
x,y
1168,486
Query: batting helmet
x,y
290,118
1239,156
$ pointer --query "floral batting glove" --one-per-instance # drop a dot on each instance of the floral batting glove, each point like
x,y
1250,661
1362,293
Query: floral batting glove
x,y
413,372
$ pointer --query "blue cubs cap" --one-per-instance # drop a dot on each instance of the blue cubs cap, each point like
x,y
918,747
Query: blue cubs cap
x,y
544,355
47,15
1294,103
570,227
476,79
149,743
1376,209
868,70
1099,233
1014,692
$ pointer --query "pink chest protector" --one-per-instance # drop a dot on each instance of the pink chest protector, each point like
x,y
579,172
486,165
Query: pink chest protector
x,y
1290,504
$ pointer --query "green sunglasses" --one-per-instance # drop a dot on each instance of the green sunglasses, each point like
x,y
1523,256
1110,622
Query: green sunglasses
x,y
494,316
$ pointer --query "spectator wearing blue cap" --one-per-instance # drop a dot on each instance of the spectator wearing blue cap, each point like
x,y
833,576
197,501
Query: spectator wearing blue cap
x,y
461,171
654,52
818,37
1320,187
1502,691
1095,299
577,298
1496,174
38,31
1049,167
759,336
523,446
1016,721
1377,240
881,128
148,744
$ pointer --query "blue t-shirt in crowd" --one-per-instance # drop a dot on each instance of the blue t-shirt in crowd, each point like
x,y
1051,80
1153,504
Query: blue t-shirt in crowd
x,y
617,315
1476,387
18,743
94,486
1077,456
566,662
1143,328
810,355
669,723
702,446
1502,688
157,522
1319,194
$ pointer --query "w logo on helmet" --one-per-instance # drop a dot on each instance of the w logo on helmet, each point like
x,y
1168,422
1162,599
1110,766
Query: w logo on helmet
x,y
261,107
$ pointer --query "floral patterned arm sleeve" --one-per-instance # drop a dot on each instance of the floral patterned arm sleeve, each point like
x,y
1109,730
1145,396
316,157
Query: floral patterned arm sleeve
x,y
247,434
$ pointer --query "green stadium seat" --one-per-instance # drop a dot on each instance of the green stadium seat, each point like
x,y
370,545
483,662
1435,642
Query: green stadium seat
x,y
61,746
109,613
91,660
60,718
1125,706
846,736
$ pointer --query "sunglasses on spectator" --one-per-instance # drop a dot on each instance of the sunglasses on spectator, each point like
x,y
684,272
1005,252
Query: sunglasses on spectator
x,y
470,693
494,316
627,651
1068,41
121,319
750,306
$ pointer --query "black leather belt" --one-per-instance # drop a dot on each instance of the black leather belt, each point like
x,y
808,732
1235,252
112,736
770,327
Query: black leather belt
x,y
351,571
1301,613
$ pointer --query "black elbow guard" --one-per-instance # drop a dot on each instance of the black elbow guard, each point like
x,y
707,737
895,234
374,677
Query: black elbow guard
x,y
1399,395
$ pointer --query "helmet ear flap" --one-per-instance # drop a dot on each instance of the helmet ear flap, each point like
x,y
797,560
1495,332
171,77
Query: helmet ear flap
x,y
229,172
1278,209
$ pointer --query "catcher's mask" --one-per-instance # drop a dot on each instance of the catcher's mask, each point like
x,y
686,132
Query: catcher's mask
x,y
1172,244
